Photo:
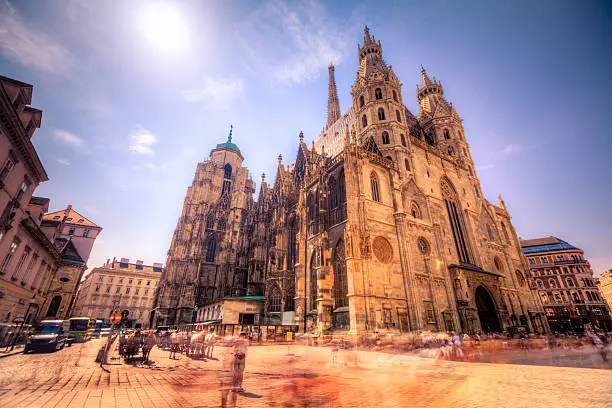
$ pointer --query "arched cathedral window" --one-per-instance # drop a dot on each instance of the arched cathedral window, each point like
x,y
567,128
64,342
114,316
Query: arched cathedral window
x,y
374,186
222,224
340,287
398,116
403,140
385,138
361,101
333,193
407,164
275,300
395,96
211,250
210,222
499,266
227,171
446,134
520,278
364,121
314,264
378,93
451,151
227,179
451,203
415,211
381,114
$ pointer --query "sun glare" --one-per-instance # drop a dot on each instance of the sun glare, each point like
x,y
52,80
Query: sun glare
x,y
164,27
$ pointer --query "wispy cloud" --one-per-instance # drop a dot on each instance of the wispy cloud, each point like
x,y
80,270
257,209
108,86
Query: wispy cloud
x,y
24,43
63,161
71,140
307,40
188,151
142,141
216,94
513,148
485,167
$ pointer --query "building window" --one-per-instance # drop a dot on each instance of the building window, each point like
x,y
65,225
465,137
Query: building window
x,y
499,266
374,186
385,138
378,93
101,278
81,220
407,164
532,261
275,300
552,283
361,101
97,288
451,151
127,291
470,171
364,121
314,264
570,283
22,189
211,249
108,288
395,96
118,289
340,286
222,224
476,191
71,231
123,264
146,292
415,211
451,203
403,140
398,116
423,246
86,233
520,278
381,114
540,284
9,255
148,283
8,166
137,291
157,269
139,267
446,134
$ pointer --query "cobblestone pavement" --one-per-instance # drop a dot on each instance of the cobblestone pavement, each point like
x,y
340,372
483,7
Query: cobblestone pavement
x,y
295,376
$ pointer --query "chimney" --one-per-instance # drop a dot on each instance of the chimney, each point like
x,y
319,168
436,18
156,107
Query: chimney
x,y
125,260
157,265
139,262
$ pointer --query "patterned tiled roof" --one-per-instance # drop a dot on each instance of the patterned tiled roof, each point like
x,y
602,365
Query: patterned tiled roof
x,y
549,244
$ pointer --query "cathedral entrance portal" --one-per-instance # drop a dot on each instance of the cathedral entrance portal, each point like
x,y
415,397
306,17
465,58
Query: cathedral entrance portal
x,y
489,322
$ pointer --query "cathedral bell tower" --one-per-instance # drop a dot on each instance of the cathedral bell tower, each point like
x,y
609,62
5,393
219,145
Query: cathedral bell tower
x,y
377,102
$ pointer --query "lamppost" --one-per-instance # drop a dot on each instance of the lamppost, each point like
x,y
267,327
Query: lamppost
x,y
194,316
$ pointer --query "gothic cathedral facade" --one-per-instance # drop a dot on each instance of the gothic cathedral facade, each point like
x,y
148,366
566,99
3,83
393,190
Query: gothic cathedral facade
x,y
379,226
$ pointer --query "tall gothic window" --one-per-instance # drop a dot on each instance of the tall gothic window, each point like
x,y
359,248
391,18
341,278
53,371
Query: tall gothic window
x,y
333,193
374,186
227,179
415,211
364,121
520,278
314,264
385,138
378,93
403,140
451,203
210,222
211,250
381,114
222,224
407,164
446,134
398,116
340,288
395,96
275,300
361,101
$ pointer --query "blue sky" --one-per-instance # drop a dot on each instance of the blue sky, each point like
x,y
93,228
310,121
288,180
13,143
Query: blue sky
x,y
135,93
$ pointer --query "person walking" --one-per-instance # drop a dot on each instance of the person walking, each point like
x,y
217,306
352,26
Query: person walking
x,y
240,352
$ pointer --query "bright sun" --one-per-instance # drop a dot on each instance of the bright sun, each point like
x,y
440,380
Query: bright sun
x,y
164,27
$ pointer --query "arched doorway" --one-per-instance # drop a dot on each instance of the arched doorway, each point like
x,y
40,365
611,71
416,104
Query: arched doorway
x,y
54,306
489,321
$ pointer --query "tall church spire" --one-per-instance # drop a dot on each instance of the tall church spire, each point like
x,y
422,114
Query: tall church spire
x,y
366,36
425,81
333,103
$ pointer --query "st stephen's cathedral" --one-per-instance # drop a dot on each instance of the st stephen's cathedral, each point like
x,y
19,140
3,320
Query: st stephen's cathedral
x,y
379,225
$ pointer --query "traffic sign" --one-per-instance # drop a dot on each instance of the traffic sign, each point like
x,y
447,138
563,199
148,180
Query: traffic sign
x,y
115,317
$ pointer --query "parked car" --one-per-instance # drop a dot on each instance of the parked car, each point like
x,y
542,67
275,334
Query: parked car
x,y
48,336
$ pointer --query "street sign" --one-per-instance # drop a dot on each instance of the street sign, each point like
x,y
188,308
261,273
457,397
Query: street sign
x,y
115,317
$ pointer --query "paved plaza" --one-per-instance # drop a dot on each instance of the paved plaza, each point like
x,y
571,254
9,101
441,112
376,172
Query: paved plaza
x,y
298,376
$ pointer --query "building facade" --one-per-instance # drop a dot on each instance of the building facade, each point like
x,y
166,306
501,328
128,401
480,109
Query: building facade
x,y
380,225
604,282
117,286
39,272
566,286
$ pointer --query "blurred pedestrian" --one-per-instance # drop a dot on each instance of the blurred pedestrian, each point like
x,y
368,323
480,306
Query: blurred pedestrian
x,y
240,353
